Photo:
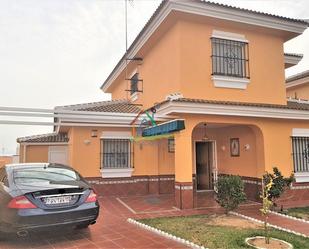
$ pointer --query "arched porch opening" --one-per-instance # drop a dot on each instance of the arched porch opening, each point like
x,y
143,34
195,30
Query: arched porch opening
x,y
225,149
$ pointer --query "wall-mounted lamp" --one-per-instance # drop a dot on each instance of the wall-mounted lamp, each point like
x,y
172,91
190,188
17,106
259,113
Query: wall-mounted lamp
x,y
94,133
205,137
86,142
247,146
223,148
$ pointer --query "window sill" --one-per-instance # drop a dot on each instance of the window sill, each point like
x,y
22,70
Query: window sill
x,y
301,177
230,82
134,96
116,173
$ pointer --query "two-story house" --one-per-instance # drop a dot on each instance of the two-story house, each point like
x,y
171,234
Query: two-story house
x,y
200,92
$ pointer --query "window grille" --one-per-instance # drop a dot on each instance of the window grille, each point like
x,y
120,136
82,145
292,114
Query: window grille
x,y
116,153
300,153
230,58
171,145
134,83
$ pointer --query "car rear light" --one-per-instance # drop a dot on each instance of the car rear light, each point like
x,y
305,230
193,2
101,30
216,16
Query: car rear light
x,y
21,202
92,197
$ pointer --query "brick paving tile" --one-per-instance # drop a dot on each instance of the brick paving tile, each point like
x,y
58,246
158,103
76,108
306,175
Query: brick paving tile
x,y
112,229
277,220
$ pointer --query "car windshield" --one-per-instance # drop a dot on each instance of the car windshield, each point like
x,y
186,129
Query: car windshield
x,y
44,174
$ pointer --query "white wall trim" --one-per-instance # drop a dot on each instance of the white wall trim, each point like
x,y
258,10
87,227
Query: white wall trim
x,y
232,110
230,82
293,60
134,96
115,173
209,10
47,144
300,132
301,177
116,135
297,82
229,36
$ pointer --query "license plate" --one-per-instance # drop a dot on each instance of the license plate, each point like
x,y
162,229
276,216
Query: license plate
x,y
58,200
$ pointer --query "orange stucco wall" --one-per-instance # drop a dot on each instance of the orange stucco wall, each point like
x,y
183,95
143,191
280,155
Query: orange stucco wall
x,y
299,92
159,70
179,60
246,163
150,157
271,145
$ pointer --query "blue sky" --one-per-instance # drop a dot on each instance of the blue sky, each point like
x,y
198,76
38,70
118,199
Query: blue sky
x,y
57,52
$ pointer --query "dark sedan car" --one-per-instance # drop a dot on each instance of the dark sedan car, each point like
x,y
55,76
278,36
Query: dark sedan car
x,y
41,195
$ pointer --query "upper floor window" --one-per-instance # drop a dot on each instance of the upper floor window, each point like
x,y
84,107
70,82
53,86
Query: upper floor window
x,y
134,83
230,58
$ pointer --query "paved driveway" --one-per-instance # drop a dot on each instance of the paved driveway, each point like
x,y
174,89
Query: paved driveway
x,y
111,231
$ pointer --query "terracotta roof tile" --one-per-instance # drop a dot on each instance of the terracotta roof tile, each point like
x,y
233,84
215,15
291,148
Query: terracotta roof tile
x,y
45,138
294,55
119,106
291,103
298,76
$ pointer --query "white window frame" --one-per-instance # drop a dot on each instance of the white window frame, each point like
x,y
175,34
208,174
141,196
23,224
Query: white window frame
x,y
229,81
114,172
300,177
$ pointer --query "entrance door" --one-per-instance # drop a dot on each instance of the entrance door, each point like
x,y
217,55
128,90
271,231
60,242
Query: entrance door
x,y
204,165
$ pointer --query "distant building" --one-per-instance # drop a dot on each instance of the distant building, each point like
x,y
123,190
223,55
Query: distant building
x,y
5,160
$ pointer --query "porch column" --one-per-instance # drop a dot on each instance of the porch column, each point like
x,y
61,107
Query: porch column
x,y
183,170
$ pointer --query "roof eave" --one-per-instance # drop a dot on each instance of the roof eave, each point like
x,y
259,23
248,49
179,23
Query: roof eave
x,y
292,59
174,107
199,8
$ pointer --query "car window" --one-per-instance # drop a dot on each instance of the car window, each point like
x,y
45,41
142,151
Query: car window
x,y
5,181
3,177
44,174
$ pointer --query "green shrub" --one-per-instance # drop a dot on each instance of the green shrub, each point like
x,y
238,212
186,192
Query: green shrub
x,y
230,192
279,184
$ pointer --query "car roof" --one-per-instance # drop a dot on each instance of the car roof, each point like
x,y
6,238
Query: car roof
x,y
13,165
33,165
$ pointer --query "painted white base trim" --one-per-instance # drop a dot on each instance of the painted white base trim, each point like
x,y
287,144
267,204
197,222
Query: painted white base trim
x,y
270,225
301,176
289,217
187,243
115,173
230,82
271,238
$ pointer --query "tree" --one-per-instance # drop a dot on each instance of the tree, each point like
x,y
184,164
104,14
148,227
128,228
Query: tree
x,y
230,192
267,203
279,184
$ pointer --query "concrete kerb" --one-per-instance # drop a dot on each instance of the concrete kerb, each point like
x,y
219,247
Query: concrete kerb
x,y
270,225
289,217
165,234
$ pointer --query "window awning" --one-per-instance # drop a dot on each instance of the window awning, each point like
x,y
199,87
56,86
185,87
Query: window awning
x,y
165,128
